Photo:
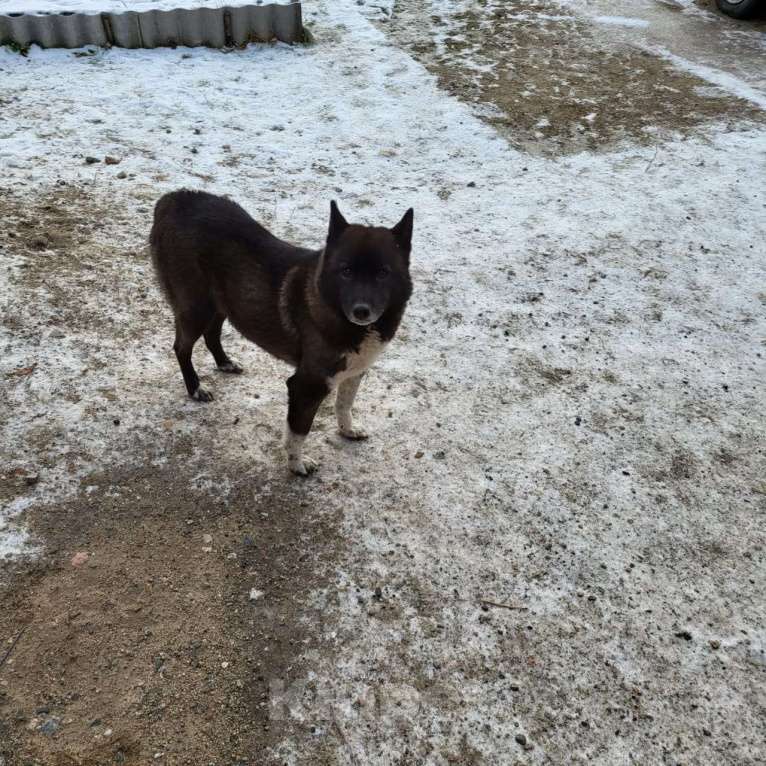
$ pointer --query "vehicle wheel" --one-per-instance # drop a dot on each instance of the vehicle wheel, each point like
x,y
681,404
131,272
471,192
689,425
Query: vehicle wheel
x,y
739,9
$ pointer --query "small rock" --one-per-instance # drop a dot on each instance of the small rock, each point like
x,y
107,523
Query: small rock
x,y
255,594
419,454
578,420
122,174
440,455
91,160
109,160
79,559
521,739
51,726
471,184
684,634
107,732
207,539
706,732
116,421
715,644
224,665
31,479
378,595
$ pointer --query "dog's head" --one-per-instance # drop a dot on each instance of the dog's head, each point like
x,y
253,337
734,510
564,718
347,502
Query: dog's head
x,y
366,269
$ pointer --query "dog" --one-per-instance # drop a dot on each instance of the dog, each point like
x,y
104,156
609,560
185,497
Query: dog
x,y
329,313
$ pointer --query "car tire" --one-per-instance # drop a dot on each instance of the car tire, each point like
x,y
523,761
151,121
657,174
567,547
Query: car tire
x,y
739,9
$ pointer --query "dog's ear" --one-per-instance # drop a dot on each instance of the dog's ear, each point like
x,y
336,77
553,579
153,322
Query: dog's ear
x,y
338,223
403,231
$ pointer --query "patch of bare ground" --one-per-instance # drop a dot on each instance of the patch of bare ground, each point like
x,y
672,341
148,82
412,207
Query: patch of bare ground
x,y
61,241
141,639
551,82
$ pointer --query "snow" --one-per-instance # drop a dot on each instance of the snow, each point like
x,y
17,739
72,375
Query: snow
x,y
728,82
13,541
621,288
621,21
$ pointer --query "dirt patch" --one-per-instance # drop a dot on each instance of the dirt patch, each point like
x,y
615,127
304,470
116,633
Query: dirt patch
x,y
62,245
54,221
549,81
162,623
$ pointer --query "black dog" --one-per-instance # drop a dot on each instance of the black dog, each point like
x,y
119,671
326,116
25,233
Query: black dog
x,y
329,313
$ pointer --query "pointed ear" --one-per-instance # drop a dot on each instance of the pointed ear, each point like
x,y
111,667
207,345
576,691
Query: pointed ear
x,y
337,223
403,230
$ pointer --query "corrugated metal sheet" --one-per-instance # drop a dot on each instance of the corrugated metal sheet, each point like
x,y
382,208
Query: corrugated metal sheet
x,y
211,27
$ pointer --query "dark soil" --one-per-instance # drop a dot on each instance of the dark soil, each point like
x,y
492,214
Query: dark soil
x,y
152,644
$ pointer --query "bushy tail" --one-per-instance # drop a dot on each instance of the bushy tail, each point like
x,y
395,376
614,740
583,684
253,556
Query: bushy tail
x,y
161,210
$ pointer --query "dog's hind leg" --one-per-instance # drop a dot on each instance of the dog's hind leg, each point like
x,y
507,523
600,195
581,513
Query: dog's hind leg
x,y
344,400
213,342
189,326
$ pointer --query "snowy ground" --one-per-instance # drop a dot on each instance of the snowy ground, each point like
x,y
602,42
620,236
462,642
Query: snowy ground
x,y
552,550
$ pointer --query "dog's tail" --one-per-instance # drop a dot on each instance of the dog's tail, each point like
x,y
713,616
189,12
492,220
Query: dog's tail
x,y
162,210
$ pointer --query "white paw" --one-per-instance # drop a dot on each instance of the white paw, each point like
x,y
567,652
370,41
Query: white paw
x,y
302,466
353,433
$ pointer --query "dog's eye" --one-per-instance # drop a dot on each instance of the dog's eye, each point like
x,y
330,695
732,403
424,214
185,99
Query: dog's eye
x,y
346,273
383,273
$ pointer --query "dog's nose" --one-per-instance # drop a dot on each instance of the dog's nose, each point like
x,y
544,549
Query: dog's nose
x,y
361,312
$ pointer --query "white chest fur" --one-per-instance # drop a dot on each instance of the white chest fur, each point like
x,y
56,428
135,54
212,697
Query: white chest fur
x,y
359,361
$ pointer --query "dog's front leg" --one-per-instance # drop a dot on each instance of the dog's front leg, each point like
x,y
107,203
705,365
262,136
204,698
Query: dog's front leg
x,y
305,395
344,400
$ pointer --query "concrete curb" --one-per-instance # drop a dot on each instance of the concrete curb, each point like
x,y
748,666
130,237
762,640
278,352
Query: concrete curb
x,y
211,27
